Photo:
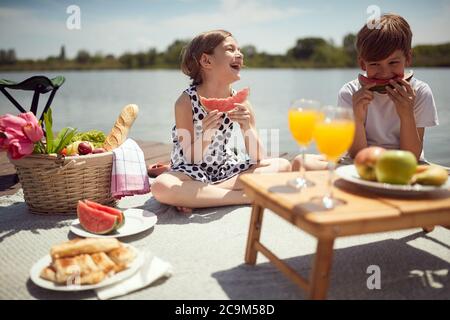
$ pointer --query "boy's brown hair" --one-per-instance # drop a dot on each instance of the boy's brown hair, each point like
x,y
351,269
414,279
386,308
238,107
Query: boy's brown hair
x,y
377,44
205,42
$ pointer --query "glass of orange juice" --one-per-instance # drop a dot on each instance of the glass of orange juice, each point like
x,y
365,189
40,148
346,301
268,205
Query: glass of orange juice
x,y
303,115
333,134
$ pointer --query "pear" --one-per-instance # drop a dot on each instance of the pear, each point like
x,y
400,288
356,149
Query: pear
x,y
421,168
432,176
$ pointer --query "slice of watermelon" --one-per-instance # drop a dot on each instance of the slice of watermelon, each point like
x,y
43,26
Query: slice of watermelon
x,y
109,210
381,84
225,104
96,221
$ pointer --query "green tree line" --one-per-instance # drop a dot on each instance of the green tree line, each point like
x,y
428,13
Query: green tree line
x,y
309,52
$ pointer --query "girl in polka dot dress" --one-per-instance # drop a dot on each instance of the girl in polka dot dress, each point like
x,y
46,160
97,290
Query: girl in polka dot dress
x,y
204,170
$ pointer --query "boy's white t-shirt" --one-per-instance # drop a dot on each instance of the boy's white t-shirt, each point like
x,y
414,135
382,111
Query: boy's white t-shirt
x,y
382,122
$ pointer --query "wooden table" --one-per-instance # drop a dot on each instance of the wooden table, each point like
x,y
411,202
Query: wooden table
x,y
365,212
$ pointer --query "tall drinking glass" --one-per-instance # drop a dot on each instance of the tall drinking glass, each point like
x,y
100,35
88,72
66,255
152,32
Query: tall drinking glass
x,y
334,135
303,115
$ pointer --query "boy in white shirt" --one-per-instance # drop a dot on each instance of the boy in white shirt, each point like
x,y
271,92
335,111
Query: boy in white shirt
x,y
392,120
395,119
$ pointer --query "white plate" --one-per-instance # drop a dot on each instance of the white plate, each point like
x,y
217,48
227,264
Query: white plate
x,y
45,261
136,221
350,174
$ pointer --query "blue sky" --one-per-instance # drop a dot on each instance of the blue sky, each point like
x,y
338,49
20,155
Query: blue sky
x,y
38,28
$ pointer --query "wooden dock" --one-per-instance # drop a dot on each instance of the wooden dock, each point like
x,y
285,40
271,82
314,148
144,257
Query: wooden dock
x,y
153,152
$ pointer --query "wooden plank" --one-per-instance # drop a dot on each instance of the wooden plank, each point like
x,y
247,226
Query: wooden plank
x,y
288,155
9,184
153,152
6,170
163,159
8,178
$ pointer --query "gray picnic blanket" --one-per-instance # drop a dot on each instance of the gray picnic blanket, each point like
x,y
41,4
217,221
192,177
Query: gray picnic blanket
x,y
206,250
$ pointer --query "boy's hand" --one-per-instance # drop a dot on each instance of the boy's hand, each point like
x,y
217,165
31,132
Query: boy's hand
x,y
360,101
241,115
403,96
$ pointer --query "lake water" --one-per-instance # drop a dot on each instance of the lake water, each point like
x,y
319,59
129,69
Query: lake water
x,y
93,100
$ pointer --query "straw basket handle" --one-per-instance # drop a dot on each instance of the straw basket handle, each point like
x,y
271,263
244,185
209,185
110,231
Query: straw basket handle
x,y
70,164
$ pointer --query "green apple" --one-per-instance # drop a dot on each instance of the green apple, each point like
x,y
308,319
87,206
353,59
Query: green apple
x,y
396,167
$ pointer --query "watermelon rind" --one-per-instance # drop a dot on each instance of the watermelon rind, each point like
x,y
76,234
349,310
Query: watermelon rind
x,y
96,221
108,210
381,88
122,222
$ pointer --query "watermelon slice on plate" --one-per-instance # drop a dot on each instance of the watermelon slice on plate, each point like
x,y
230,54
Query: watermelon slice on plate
x,y
225,104
138,220
381,84
97,218
113,211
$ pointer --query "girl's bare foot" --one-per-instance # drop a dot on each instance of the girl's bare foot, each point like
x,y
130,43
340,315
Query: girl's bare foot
x,y
184,209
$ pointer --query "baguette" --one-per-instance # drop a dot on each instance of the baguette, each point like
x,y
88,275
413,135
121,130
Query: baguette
x,y
83,246
119,132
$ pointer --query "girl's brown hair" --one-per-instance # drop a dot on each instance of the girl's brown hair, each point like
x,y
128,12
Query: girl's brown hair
x,y
374,44
205,42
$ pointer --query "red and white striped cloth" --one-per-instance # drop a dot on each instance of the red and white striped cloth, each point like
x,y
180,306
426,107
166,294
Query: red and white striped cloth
x,y
129,172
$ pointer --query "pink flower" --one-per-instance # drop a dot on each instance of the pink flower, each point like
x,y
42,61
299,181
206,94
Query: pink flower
x,y
3,138
20,148
19,133
33,131
12,126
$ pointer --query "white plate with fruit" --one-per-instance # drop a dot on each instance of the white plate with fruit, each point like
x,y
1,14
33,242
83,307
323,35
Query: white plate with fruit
x,y
350,174
394,172
100,221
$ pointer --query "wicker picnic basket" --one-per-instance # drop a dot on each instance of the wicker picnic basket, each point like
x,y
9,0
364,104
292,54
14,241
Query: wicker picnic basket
x,y
54,184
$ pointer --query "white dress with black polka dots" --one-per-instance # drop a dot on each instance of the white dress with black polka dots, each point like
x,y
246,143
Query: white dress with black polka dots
x,y
219,162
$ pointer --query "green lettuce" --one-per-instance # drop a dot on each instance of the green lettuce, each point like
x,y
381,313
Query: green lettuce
x,y
97,137
53,144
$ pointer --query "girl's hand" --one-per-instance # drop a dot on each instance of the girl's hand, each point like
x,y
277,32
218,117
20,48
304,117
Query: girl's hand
x,y
403,96
211,123
241,115
360,101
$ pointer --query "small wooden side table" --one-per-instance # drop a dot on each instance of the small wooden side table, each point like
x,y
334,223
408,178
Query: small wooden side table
x,y
364,212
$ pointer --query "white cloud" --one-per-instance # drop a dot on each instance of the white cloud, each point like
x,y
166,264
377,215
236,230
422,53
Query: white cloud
x,y
9,12
269,25
252,22
19,21
34,37
235,13
31,36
